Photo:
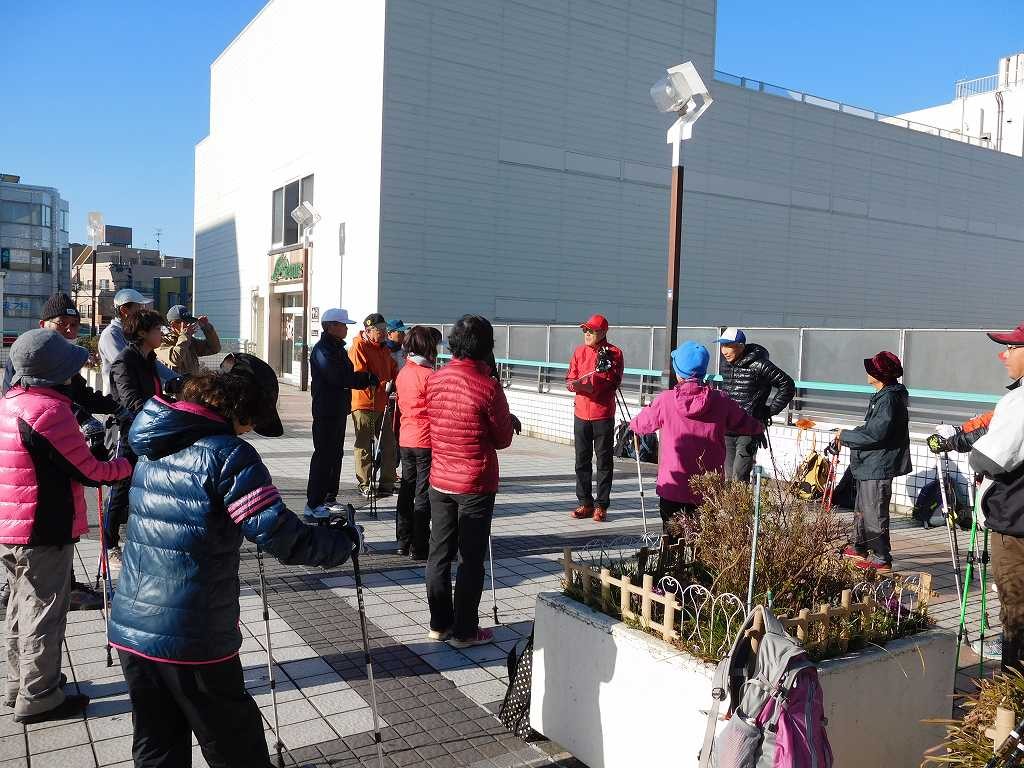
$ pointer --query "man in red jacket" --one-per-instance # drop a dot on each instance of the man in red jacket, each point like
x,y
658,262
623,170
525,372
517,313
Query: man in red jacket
x,y
595,372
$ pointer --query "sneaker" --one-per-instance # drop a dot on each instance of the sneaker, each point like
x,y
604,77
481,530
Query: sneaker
x,y
582,512
85,598
600,514
482,637
336,509
435,634
874,563
367,492
114,558
993,649
853,553
320,512
402,551
72,706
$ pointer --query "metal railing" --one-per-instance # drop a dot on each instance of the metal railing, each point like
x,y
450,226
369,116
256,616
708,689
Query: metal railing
x,y
952,374
751,84
986,84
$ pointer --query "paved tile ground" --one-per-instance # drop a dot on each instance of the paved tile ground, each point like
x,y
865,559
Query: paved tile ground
x,y
435,703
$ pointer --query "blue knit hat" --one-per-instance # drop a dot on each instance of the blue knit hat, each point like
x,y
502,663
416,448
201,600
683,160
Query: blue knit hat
x,y
690,360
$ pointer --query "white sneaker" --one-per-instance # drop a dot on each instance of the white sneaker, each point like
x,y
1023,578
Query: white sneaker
x,y
336,509
993,648
114,559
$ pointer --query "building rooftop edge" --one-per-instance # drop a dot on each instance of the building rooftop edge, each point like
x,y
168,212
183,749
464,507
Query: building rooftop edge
x,y
241,32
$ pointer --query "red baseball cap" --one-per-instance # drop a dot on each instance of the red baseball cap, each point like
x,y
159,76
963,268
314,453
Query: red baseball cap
x,y
596,323
1016,336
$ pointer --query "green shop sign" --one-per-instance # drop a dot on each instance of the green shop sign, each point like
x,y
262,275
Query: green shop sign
x,y
285,270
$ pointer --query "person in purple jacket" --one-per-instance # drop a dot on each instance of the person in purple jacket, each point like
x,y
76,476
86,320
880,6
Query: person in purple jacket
x,y
694,420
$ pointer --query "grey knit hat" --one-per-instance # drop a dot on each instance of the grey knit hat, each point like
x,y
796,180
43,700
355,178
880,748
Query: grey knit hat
x,y
44,358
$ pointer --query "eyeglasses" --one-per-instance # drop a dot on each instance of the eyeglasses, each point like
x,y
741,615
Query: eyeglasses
x,y
1011,347
589,331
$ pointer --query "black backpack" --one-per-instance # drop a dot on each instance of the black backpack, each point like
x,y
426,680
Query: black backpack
x,y
623,447
929,502
514,713
845,494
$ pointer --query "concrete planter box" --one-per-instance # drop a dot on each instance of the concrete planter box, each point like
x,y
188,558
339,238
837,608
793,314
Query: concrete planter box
x,y
616,697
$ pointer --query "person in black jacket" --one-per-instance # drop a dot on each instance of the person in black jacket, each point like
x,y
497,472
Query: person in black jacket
x,y
749,379
333,380
879,452
133,380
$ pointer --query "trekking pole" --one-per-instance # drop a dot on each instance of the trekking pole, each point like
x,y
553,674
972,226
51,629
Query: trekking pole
x,y
494,594
1010,745
640,482
374,443
278,745
830,482
775,466
366,641
961,629
950,515
103,569
757,529
984,604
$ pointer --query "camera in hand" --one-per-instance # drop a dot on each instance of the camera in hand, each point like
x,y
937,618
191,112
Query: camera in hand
x,y
604,359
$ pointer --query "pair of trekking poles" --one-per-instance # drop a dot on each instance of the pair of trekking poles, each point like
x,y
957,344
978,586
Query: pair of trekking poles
x,y
964,578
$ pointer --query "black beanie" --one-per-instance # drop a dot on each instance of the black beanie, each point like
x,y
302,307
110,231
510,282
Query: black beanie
x,y
59,305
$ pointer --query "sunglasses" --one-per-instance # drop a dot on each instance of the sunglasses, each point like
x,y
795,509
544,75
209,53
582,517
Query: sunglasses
x,y
589,331
1011,347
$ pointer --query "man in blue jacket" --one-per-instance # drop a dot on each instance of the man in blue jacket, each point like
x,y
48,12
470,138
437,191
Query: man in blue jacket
x,y
333,380
198,490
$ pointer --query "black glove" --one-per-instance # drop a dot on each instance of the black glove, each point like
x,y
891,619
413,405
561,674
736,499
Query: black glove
x,y
517,425
172,387
604,360
373,379
763,414
939,444
354,533
762,440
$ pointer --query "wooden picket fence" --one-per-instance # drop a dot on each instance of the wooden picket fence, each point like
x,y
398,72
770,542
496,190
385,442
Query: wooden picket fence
x,y
806,625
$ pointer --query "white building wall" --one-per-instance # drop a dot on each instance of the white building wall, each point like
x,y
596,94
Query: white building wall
x,y
981,114
297,93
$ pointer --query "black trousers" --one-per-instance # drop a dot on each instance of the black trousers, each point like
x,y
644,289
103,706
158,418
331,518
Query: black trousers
x,y
460,524
871,517
170,702
740,455
669,509
325,463
116,513
594,437
412,521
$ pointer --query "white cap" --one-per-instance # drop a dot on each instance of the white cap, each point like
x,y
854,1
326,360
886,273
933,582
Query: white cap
x,y
336,316
130,296
733,335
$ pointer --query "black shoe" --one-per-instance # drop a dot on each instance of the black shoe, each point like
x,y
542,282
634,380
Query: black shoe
x,y
402,551
72,706
417,558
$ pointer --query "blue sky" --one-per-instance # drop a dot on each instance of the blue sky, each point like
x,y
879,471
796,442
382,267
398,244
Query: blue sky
x,y
106,99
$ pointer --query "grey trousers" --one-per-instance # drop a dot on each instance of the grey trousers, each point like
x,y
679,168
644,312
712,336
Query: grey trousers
x,y
366,424
740,455
37,614
871,517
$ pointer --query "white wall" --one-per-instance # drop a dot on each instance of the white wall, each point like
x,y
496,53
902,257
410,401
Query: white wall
x,y
297,93
964,115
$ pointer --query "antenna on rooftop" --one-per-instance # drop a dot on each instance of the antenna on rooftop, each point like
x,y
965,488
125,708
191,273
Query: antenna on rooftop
x,y
158,232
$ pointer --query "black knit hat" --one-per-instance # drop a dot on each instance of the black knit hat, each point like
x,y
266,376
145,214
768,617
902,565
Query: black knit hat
x,y
59,305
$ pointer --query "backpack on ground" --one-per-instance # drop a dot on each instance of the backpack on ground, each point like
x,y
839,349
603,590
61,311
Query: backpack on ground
x,y
514,713
811,477
929,503
845,494
775,702
623,447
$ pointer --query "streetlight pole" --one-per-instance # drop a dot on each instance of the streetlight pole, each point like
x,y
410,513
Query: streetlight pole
x,y
304,367
96,233
677,92
3,290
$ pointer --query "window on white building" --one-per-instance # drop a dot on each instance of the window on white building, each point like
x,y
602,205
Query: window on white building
x,y
104,285
284,230
47,216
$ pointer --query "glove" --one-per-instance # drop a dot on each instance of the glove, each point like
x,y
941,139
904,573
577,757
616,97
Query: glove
x,y
938,444
354,533
172,387
517,425
763,414
374,380
762,440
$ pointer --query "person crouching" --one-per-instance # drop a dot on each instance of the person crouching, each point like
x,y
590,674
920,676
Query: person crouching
x,y
198,490
694,420
44,461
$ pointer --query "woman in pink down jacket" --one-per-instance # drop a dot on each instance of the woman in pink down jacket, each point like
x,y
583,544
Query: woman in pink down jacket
x,y
693,419
44,461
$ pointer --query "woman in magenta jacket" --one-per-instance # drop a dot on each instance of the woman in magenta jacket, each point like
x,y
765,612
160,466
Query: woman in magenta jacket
x,y
469,422
693,419
412,519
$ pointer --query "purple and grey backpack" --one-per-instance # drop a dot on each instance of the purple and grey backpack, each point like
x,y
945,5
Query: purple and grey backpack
x,y
777,716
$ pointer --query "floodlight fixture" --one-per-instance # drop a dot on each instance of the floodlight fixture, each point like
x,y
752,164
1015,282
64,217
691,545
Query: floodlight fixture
x,y
305,215
679,92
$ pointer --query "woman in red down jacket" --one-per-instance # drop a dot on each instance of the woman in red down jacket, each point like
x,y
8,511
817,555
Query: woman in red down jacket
x,y
412,520
469,422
